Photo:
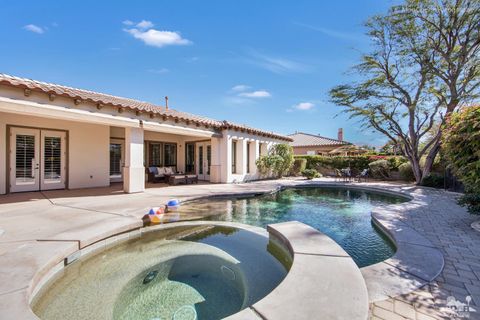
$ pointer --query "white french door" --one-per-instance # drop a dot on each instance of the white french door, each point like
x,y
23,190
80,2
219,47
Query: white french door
x,y
204,160
37,159
117,150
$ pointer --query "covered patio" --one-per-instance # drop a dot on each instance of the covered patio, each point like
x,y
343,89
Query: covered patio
x,y
59,137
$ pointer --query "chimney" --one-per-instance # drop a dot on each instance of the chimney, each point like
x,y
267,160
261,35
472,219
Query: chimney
x,y
166,102
340,134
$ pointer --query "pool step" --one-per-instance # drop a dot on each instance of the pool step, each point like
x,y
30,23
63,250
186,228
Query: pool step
x,y
323,283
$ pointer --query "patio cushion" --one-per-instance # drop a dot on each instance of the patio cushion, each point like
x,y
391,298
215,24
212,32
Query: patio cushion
x,y
161,170
169,170
152,170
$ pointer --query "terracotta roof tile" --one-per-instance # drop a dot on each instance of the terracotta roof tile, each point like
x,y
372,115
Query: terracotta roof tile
x,y
301,139
136,105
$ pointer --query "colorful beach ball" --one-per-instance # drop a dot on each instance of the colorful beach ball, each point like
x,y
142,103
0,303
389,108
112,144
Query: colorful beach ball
x,y
153,210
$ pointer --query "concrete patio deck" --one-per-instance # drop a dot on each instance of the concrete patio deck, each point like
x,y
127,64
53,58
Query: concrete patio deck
x,y
38,228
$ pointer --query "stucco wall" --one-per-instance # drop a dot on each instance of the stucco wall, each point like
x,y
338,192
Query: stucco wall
x,y
225,158
88,152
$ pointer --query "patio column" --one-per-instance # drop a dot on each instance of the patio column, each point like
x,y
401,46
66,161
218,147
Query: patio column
x,y
217,159
254,155
243,156
134,171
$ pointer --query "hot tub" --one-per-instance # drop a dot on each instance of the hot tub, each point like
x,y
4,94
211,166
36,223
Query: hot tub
x,y
182,272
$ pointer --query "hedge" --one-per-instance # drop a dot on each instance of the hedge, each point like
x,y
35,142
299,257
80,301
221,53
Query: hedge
x,y
325,165
298,166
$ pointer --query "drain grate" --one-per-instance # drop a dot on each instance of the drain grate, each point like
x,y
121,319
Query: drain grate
x,y
150,276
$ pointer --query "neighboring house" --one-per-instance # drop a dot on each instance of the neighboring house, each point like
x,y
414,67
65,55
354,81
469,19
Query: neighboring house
x,y
57,137
311,144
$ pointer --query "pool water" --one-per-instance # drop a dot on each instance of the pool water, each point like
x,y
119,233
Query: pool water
x,y
184,273
341,213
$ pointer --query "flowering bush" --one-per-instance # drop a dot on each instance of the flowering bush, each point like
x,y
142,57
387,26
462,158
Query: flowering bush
x,y
461,147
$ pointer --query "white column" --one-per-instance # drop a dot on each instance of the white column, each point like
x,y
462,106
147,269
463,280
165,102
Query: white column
x,y
3,157
216,165
227,159
134,171
254,155
242,156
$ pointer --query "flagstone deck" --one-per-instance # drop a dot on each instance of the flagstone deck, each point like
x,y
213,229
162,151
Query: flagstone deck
x,y
37,229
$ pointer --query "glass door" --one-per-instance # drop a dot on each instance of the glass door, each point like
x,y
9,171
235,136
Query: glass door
x,y
37,159
116,160
204,159
24,159
189,158
53,164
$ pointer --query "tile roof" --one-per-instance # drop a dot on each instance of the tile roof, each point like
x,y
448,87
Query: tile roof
x,y
120,102
301,139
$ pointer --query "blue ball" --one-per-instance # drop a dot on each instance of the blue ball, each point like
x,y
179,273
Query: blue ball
x,y
173,203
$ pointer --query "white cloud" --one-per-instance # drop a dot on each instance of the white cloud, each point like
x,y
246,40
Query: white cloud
x,y
275,64
255,94
332,33
158,71
240,87
128,22
145,24
302,106
34,28
157,38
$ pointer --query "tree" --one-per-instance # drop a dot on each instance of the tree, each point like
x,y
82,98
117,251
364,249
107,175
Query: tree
x,y
424,64
390,148
461,146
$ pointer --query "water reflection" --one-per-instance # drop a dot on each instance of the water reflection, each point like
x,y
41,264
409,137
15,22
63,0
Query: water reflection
x,y
343,214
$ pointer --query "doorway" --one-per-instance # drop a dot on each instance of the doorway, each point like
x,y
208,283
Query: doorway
x,y
204,160
116,160
37,159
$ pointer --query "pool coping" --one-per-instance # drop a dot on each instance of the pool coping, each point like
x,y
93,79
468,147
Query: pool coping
x,y
311,251
386,279
416,261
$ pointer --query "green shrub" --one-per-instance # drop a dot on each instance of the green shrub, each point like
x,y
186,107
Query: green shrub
x,y
278,162
461,147
434,180
471,201
380,169
324,164
406,171
395,162
298,166
310,174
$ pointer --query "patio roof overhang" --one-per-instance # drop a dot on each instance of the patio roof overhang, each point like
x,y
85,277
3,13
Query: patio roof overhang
x,y
32,108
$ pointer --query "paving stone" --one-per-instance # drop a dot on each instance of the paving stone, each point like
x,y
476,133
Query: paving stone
x,y
386,315
385,304
404,309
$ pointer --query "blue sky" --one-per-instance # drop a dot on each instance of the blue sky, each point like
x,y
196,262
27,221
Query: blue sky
x,y
268,64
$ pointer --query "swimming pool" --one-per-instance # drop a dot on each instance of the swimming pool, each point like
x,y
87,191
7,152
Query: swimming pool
x,y
199,272
341,213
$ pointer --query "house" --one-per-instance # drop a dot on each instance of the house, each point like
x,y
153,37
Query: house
x,y
312,144
57,137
